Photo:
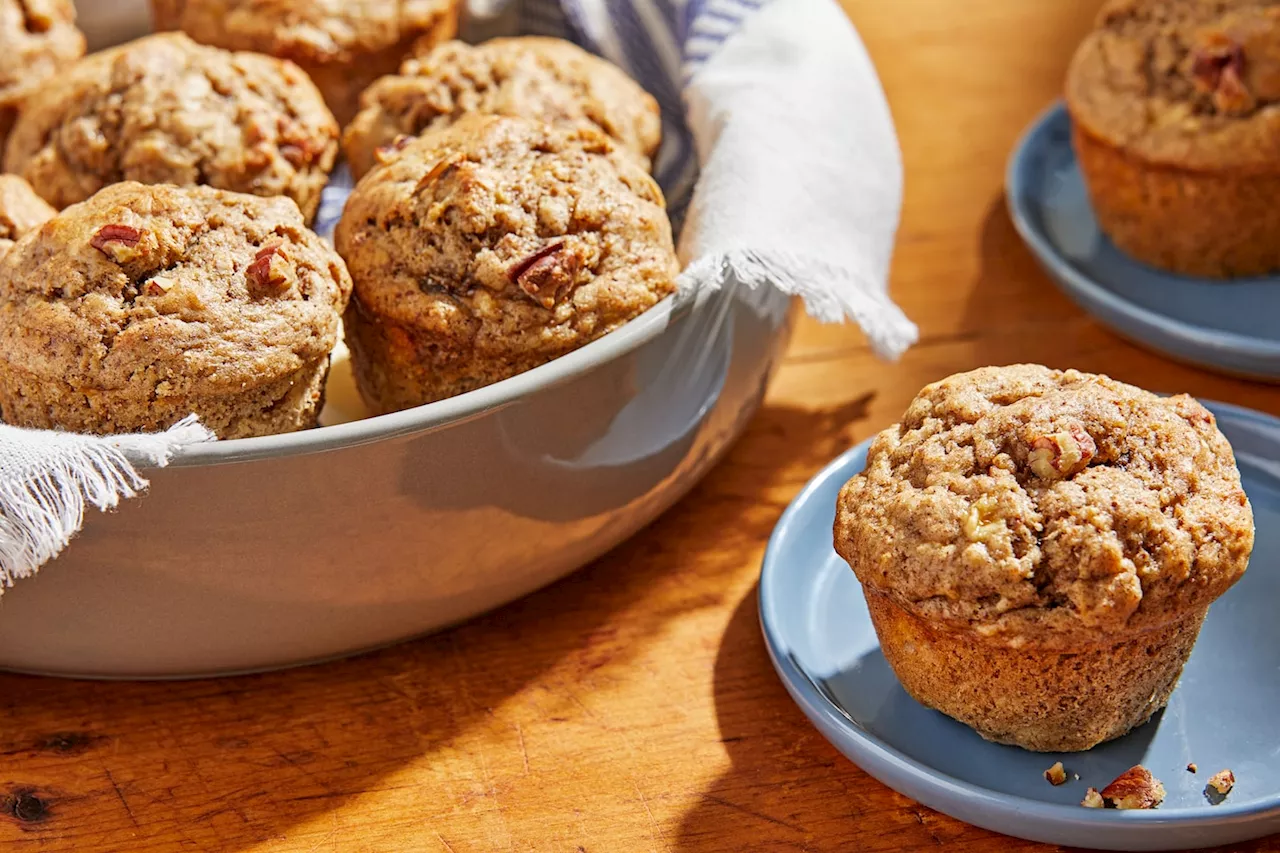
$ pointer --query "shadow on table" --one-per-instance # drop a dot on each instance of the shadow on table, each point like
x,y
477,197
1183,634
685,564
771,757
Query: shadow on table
x,y
227,764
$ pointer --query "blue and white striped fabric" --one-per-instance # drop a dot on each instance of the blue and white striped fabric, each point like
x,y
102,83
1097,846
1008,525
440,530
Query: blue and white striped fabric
x,y
661,44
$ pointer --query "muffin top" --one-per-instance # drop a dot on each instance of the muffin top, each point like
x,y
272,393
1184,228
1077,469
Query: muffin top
x,y
170,290
36,38
1046,507
539,78
21,210
164,109
308,31
503,237
1190,83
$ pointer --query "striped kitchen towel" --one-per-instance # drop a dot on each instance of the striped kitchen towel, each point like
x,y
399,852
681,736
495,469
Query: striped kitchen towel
x,y
779,160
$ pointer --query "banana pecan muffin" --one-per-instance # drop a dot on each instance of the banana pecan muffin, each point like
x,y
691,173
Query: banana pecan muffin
x,y
343,44
143,304
21,210
165,110
491,247
37,37
1038,549
529,77
1177,129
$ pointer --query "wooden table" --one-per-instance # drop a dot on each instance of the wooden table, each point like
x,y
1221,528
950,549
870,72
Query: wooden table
x,y
631,707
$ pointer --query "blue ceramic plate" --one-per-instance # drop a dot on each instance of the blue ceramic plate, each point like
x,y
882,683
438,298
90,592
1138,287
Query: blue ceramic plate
x,y
1222,715
1225,326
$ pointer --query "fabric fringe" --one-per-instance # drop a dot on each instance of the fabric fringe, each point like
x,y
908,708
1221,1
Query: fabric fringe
x,y
46,478
831,293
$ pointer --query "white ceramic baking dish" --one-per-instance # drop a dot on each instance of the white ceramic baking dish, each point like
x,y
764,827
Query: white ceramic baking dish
x,y
265,552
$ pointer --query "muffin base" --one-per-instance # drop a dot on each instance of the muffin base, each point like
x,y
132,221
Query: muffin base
x,y
398,366
285,404
1040,700
1208,224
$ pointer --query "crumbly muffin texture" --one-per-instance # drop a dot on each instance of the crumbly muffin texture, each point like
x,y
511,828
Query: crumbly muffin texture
x,y
1047,508
1193,83
146,303
343,44
491,247
37,37
21,210
164,109
539,78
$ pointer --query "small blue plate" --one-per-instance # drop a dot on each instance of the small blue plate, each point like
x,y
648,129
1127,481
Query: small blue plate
x,y
1226,326
1222,715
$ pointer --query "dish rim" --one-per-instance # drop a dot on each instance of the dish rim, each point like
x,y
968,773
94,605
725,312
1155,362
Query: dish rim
x,y
906,772
1263,354
454,410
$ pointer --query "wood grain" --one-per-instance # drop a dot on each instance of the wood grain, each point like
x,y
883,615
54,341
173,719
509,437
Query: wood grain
x,y
631,707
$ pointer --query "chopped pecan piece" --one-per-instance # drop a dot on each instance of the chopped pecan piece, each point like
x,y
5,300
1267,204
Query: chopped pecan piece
x,y
1135,788
1217,69
158,286
386,153
1191,768
1222,782
546,275
117,242
1061,454
1056,775
443,165
269,272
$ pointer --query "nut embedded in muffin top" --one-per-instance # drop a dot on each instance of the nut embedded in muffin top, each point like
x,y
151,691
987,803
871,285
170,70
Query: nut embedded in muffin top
x,y
164,109
546,79
1046,507
170,290
1192,83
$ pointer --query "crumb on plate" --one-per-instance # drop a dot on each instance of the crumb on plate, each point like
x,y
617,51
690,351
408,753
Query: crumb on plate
x,y
1135,788
1222,782
1056,774
1093,800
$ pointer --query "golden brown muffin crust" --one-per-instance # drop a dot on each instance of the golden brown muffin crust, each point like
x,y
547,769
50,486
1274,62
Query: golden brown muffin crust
x,y
37,37
1044,507
21,210
539,78
164,109
1188,83
495,245
343,44
154,295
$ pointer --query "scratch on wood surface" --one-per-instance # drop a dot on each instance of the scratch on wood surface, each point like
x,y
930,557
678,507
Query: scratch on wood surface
x,y
655,830
445,843
752,812
524,753
116,786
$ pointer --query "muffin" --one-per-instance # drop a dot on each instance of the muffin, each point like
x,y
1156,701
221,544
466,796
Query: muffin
x,y
1177,133
1038,549
37,37
164,109
491,247
539,78
21,210
143,304
344,46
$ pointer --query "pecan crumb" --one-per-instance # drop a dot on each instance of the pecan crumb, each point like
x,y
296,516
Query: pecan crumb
x,y
1093,800
1056,775
1061,454
1222,782
1135,788
158,286
443,165
386,153
269,271
1191,768
546,275
117,242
